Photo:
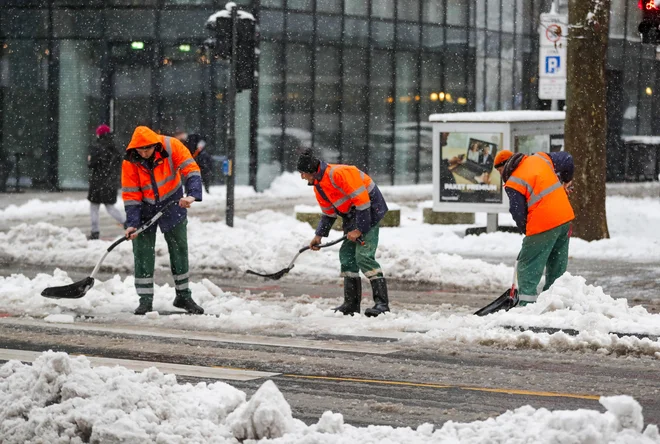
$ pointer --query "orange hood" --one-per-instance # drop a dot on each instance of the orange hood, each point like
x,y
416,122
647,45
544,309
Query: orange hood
x,y
143,136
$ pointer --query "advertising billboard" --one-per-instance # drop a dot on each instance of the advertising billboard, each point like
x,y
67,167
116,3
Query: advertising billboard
x,y
467,173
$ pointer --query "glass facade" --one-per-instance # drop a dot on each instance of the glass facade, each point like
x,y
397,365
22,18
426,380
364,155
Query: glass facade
x,y
354,79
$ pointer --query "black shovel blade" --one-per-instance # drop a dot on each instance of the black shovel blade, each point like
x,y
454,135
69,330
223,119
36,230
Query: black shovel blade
x,y
273,276
504,302
71,291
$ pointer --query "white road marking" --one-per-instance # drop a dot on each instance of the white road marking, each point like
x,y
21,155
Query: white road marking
x,y
374,348
178,369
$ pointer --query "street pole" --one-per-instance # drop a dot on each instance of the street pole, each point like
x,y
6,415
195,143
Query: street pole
x,y
231,117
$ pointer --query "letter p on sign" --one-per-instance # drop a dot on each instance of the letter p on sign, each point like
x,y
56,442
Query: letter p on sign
x,y
552,64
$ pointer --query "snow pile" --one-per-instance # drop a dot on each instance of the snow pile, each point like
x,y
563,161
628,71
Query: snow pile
x,y
594,320
267,414
63,399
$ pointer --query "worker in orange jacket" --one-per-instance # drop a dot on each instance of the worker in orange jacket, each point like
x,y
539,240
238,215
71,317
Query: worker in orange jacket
x,y
537,186
151,177
344,190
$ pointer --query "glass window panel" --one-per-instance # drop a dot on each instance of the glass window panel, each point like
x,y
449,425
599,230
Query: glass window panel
x,y
357,31
305,5
493,15
407,36
24,110
130,24
458,12
188,2
406,127
492,44
381,131
383,34
455,77
80,105
271,23
300,27
433,37
87,3
271,106
298,103
133,2
356,7
508,16
24,23
328,29
24,3
481,13
328,6
184,24
618,19
432,85
382,8
634,17
327,104
354,103
433,11
272,3
408,10
77,23
506,72
181,97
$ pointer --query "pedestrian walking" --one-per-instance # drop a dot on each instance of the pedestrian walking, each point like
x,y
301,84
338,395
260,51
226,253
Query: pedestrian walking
x,y
104,163
537,186
152,173
197,146
344,190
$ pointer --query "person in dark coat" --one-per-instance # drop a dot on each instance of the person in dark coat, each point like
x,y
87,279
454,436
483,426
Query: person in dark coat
x,y
104,162
197,147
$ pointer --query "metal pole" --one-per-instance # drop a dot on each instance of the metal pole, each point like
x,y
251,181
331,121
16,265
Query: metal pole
x,y
231,117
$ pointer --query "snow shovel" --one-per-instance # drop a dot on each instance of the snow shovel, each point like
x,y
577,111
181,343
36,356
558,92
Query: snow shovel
x,y
78,289
279,274
508,300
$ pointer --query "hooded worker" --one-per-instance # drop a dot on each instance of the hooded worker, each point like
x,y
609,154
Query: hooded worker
x,y
152,173
537,186
344,190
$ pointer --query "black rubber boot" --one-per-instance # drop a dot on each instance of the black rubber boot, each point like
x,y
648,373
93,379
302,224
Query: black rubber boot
x,y
352,296
94,235
188,304
144,307
379,289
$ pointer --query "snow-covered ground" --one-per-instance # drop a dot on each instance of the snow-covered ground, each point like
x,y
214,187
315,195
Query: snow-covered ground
x,y
63,399
267,240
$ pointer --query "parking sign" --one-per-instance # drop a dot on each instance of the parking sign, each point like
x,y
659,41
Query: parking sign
x,y
553,31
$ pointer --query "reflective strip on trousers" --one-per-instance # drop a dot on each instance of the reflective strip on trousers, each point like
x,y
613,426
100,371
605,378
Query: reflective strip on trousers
x,y
527,298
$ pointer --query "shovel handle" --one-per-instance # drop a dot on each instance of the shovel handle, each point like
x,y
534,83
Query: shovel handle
x,y
144,226
329,244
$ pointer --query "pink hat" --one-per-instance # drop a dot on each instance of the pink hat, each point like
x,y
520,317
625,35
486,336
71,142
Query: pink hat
x,y
102,129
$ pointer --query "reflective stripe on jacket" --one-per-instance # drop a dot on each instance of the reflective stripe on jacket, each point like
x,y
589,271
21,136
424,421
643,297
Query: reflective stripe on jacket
x,y
147,184
344,190
547,202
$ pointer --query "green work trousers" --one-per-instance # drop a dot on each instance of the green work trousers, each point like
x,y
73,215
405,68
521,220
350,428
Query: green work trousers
x,y
144,255
355,257
547,250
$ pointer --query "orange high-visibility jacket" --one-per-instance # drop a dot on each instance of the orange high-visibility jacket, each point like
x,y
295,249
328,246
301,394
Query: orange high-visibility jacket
x,y
547,202
345,186
147,185
344,190
139,184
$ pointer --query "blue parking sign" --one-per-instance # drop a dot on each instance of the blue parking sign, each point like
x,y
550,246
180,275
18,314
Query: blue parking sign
x,y
552,64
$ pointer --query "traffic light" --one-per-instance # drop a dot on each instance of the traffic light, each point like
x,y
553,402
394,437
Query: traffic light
x,y
649,27
221,43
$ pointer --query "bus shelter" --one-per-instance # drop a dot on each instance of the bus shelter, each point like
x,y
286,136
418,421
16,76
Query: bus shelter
x,y
464,149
